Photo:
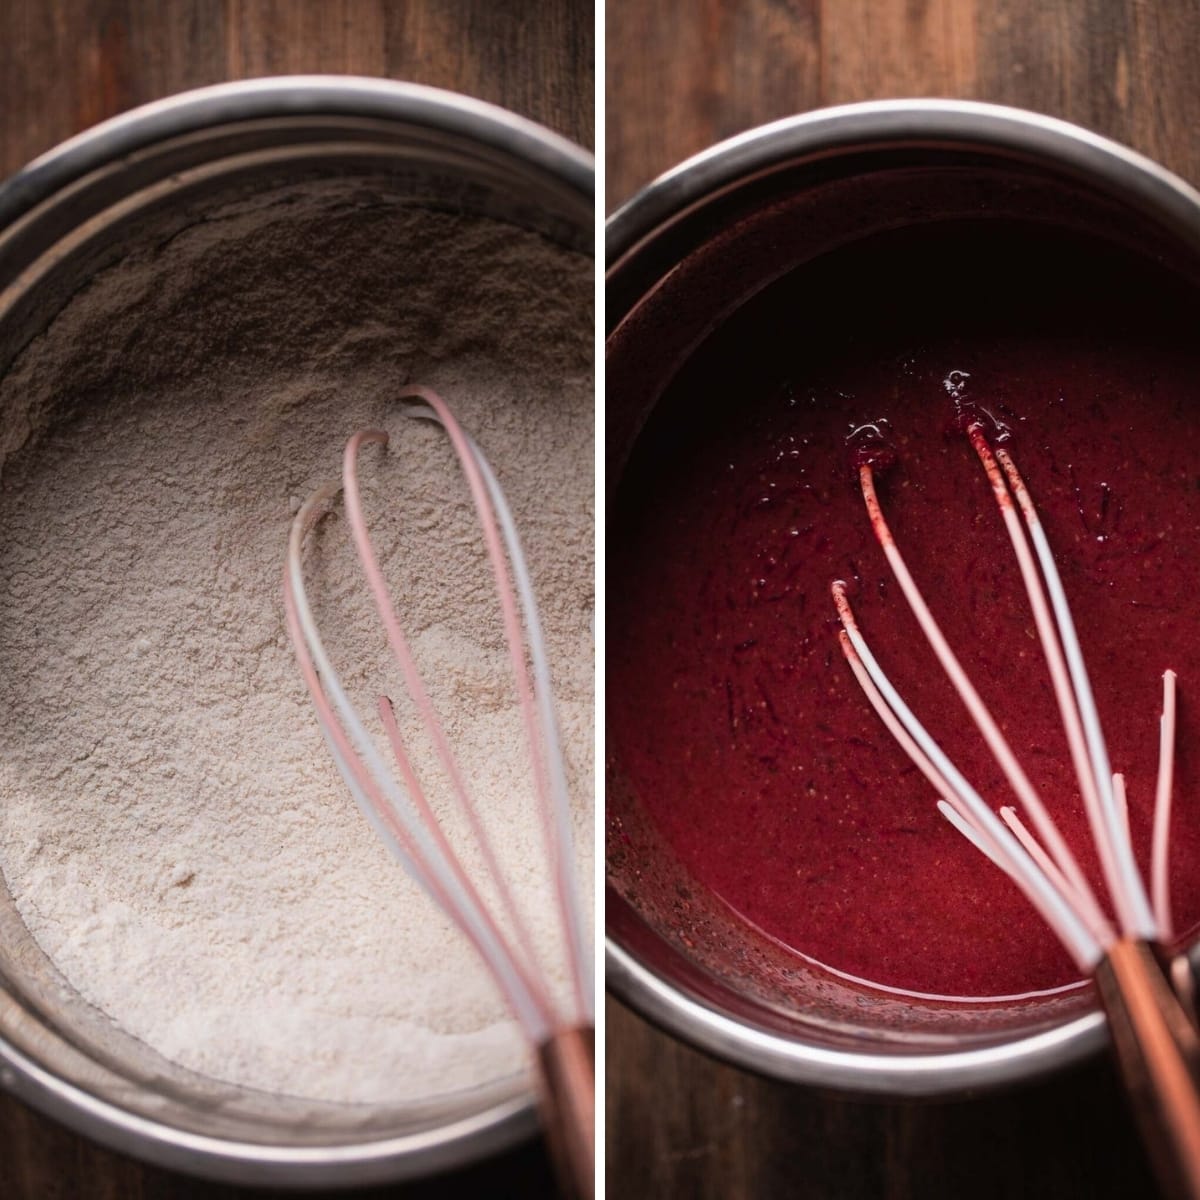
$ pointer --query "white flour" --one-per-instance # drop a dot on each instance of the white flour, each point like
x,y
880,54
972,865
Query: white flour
x,y
170,827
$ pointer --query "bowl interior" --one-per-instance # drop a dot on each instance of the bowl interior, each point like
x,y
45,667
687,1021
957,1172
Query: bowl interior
x,y
321,206
678,291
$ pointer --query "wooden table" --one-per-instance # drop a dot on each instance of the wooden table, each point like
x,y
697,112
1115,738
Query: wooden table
x,y
683,74
65,64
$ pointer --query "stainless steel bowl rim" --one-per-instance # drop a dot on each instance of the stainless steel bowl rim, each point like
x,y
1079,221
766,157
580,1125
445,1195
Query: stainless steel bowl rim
x,y
287,96
104,146
410,1156
1075,152
933,123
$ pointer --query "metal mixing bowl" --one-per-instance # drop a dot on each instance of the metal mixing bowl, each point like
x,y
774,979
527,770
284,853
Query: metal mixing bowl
x,y
683,255
82,207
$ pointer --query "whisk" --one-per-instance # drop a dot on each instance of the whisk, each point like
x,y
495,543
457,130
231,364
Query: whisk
x,y
560,1034
1146,994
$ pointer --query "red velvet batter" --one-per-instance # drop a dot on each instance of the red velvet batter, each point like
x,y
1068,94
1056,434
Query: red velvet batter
x,y
731,711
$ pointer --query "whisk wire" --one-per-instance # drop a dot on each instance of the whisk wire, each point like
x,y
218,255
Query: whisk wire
x,y
1116,851
1160,886
956,809
401,815
562,848
977,838
981,715
1009,815
1056,883
388,809
1122,803
560,1035
1063,693
952,806
550,766
1147,996
1059,913
401,652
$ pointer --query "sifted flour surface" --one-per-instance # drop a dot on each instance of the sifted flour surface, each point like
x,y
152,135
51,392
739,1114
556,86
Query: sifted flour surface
x,y
170,827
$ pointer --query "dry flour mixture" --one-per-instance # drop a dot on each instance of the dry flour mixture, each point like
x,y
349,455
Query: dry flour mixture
x,y
170,826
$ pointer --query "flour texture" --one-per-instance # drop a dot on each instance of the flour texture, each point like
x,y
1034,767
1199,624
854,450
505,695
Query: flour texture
x,y
170,826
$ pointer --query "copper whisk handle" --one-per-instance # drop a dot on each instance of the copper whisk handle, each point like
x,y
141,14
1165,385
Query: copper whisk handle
x,y
1158,1051
567,1070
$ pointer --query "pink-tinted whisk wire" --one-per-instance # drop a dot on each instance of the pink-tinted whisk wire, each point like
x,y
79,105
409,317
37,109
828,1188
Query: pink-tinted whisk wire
x,y
1116,854
536,703
1056,884
380,812
398,644
980,714
953,806
1160,883
971,814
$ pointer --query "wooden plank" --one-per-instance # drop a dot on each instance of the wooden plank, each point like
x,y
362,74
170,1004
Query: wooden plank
x,y
66,64
871,50
681,1124
278,37
681,75
40,1160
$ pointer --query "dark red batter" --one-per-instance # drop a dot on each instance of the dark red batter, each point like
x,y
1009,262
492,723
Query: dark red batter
x,y
731,712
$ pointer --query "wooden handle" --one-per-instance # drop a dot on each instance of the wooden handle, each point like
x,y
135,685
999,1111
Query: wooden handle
x,y
1158,1051
567,1065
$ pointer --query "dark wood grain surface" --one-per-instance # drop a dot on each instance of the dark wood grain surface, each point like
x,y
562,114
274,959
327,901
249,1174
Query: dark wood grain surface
x,y
66,64
682,74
